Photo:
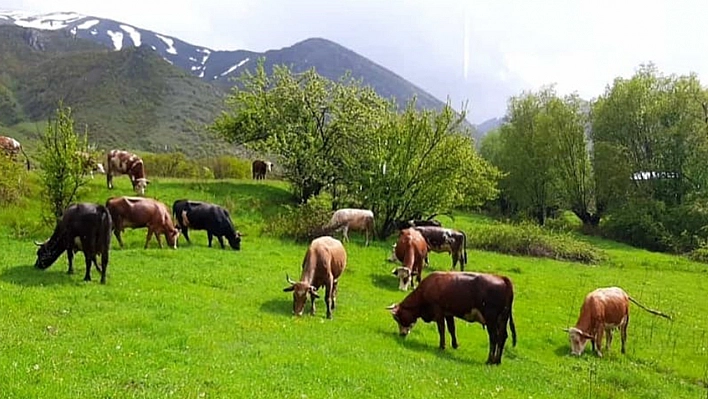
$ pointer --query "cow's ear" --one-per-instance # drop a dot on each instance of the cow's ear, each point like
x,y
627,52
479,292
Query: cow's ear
x,y
292,287
394,272
566,330
313,292
147,181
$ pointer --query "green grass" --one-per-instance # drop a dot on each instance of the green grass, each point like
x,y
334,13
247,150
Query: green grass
x,y
205,322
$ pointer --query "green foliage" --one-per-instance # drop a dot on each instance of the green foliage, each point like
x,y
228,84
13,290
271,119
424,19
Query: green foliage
x,y
227,167
639,222
10,109
301,222
12,176
62,170
531,240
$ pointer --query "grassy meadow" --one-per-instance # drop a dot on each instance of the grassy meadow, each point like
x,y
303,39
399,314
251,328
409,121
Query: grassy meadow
x,y
201,322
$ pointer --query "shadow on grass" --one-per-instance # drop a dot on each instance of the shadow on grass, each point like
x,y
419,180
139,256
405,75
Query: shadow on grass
x,y
386,281
447,354
28,276
282,307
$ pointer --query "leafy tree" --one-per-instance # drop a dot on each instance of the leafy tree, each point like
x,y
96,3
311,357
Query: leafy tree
x,y
62,173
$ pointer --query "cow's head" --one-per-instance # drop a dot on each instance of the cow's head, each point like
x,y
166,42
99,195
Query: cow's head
x,y
99,168
300,291
578,340
235,241
172,236
269,166
405,319
47,253
139,185
405,275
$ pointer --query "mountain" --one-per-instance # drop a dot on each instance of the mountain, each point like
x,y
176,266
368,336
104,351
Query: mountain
x,y
330,59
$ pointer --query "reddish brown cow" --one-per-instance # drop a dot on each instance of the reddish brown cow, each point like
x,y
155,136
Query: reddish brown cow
x,y
411,250
259,169
324,262
12,147
475,297
138,212
603,310
125,163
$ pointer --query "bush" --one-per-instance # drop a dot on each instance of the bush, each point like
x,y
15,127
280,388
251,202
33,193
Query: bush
x,y
699,254
174,164
640,223
11,176
226,167
302,222
531,240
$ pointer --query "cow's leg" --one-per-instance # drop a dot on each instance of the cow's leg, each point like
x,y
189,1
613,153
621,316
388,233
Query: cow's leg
x,y
210,237
334,293
312,304
147,239
623,332
104,265
345,231
109,179
492,332
608,339
598,341
185,233
502,335
450,320
455,258
159,239
329,299
116,232
221,241
441,330
70,257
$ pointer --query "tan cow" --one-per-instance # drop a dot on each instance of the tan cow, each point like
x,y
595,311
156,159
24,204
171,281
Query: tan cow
x,y
412,250
603,310
351,219
324,262
138,212
12,147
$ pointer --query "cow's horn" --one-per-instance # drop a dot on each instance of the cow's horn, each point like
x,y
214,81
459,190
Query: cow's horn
x,y
37,243
566,329
391,307
287,277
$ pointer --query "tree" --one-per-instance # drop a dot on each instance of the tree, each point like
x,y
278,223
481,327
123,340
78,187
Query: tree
x,y
62,172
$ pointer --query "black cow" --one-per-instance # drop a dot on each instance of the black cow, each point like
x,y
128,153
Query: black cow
x,y
474,297
205,216
441,239
405,224
83,227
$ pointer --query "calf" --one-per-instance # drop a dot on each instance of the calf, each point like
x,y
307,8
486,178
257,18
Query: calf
x,y
83,227
351,219
124,163
12,147
411,250
89,164
603,310
205,216
259,169
474,297
324,262
138,212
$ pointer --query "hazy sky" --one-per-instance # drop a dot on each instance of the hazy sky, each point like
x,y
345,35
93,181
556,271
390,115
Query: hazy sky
x,y
483,51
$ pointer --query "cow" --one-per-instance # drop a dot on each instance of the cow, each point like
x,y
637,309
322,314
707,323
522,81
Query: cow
x,y
205,216
89,164
138,212
603,310
405,224
474,297
351,219
259,169
442,239
12,147
411,250
325,261
125,163
83,227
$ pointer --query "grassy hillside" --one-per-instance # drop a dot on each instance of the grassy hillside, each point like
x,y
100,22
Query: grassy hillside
x,y
127,99
206,322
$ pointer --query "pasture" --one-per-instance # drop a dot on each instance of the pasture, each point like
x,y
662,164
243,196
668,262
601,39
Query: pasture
x,y
201,322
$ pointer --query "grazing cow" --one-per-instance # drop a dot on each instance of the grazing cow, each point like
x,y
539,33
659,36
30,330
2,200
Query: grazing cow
x,y
351,219
603,310
12,147
475,297
124,163
205,216
89,164
138,212
324,262
83,227
259,169
411,250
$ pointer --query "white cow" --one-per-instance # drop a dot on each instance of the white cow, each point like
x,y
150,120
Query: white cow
x,y
354,219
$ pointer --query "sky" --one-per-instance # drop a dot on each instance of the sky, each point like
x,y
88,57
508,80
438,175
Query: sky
x,y
478,51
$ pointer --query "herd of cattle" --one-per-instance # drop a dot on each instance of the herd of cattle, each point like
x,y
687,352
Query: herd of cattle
x,y
440,297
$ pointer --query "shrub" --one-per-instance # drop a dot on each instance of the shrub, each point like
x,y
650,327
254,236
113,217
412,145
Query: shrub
x,y
11,176
699,254
227,167
301,222
531,240
640,223
174,164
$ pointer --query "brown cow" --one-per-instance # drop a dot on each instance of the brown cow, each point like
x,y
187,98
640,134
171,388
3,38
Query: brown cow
x,y
475,297
125,163
138,212
411,250
603,310
324,262
12,147
259,169
351,219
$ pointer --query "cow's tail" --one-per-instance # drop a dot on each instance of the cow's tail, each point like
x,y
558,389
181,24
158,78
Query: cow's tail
x,y
464,250
512,326
104,233
652,311
26,157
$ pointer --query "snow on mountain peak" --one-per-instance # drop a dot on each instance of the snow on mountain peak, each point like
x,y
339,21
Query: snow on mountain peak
x,y
51,21
169,42
134,34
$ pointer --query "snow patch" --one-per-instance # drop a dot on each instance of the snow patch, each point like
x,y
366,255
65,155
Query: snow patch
x,y
196,68
201,75
193,59
169,42
134,34
88,24
117,38
171,63
51,21
233,68
154,48
94,32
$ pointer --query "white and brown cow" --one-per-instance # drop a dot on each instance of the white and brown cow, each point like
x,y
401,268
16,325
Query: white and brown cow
x,y
603,310
441,239
12,147
351,219
125,163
